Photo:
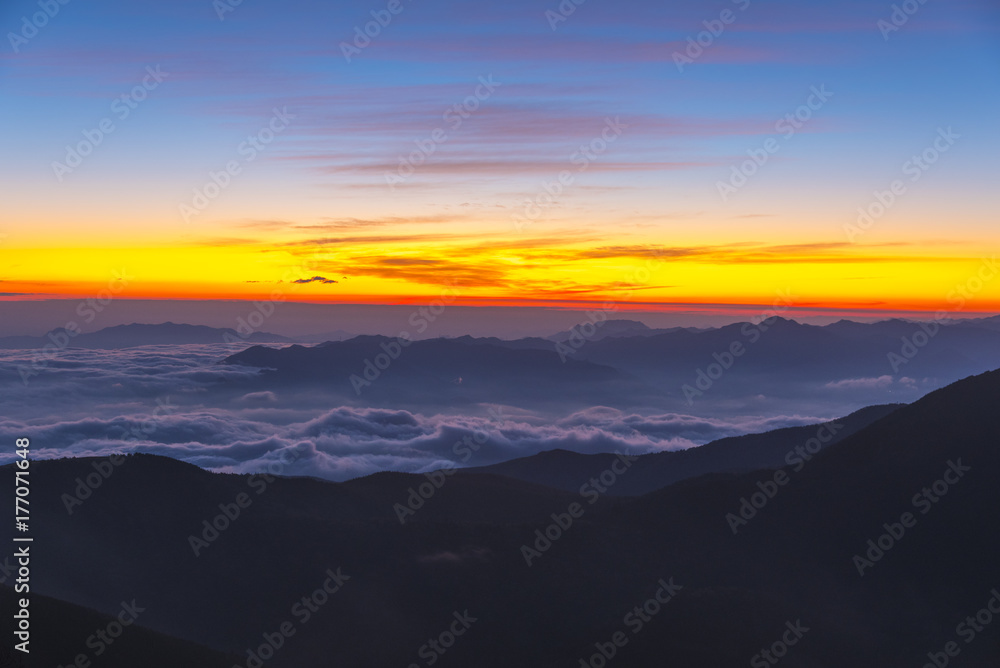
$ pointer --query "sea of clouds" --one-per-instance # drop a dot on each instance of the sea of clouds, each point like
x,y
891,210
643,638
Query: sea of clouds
x,y
178,401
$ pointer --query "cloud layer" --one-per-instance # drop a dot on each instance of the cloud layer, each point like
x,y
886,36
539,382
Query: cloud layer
x,y
176,401
348,442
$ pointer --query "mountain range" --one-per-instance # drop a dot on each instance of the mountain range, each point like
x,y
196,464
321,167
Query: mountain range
x,y
844,365
562,469
872,550
127,336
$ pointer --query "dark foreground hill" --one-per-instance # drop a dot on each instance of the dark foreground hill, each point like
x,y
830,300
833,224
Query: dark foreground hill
x,y
775,561
562,469
62,633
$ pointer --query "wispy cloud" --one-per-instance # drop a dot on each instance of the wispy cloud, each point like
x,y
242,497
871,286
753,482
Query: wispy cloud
x,y
315,279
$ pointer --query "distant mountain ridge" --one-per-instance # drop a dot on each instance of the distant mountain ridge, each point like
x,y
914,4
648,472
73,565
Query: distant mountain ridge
x,y
780,360
457,371
128,336
615,328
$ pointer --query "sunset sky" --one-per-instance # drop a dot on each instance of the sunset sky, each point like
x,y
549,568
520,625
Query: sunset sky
x,y
324,196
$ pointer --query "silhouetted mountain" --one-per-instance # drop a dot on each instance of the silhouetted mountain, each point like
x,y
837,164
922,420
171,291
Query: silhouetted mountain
x,y
790,564
843,365
61,632
449,371
989,323
562,469
337,335
531,342
601,329
780,356
128,336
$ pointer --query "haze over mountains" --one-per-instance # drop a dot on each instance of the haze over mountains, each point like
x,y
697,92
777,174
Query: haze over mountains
x,y
127,336
371,403
537,488
137,334
758,364
531,334
634,365
797,557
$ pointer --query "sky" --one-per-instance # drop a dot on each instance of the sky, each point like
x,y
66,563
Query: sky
x,y
679,156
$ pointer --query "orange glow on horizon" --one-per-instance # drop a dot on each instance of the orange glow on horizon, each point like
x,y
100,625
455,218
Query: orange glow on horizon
x,y
818,278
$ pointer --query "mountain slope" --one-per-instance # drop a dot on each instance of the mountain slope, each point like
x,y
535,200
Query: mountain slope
x,y
447,371
61,632
565,470
785,350
759,368
791,562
